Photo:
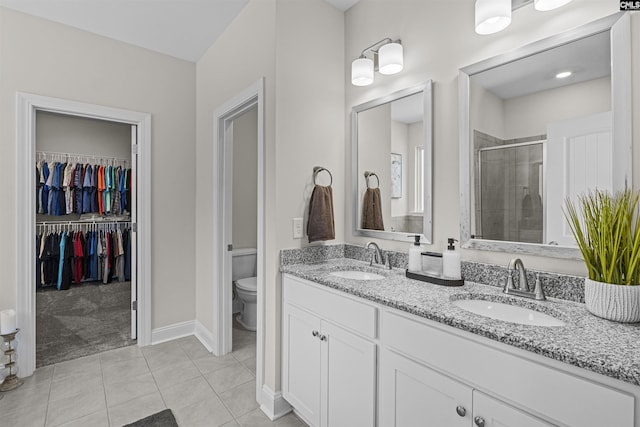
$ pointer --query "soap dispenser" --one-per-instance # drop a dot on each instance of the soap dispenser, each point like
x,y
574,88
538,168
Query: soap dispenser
x,y
415,254
451,262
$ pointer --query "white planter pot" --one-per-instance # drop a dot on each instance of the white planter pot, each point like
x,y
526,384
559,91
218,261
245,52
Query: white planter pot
x,y
612,302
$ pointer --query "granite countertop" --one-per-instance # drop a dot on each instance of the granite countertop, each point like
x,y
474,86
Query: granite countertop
x,y
586,341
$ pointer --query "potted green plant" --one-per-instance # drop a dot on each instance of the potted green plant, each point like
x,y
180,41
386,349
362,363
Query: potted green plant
x,y
607,230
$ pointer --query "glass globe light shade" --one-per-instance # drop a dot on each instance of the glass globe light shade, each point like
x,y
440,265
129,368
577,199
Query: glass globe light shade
x,y
362,72
492,15
390,58
544,5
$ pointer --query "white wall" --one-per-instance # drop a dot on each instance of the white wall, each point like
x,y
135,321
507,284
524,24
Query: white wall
x,y
81,135
416,139
298,48
530,114
374,146
50,59
247,47
438,39
400,145
245,180
486,111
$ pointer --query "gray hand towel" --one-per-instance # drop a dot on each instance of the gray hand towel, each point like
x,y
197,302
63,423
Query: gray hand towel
x,y
320,225
372,210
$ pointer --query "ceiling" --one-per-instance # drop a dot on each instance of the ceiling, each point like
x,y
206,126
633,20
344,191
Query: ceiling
x,y
588,58
183,29
408,109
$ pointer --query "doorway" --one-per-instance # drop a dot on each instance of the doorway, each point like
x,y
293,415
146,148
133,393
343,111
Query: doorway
x,y
250,99
28,106
85,203
244,220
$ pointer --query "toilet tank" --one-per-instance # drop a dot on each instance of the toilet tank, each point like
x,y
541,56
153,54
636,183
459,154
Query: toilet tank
x,y
244,263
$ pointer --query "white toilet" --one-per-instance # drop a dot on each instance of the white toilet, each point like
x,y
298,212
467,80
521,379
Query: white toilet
x,y
244,262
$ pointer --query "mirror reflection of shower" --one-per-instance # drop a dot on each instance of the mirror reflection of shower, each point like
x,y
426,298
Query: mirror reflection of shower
x,y
509,188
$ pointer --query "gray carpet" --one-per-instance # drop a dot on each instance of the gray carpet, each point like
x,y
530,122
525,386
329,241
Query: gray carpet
x,y
86,319
161,419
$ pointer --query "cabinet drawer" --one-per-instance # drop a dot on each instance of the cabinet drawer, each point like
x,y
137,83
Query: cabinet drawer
x,y
541,389
341,309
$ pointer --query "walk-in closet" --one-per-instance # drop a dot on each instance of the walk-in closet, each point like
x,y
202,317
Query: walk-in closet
x,y
85,275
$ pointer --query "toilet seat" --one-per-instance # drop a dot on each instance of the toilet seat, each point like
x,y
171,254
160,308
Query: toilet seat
x,y
248,284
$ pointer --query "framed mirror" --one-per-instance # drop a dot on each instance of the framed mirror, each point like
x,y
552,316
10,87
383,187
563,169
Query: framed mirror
x,y
391,165
539,125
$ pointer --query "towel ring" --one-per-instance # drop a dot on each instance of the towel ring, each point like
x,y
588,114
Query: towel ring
x,y
317,170
368,175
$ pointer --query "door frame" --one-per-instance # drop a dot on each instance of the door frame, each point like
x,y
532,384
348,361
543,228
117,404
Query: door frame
x,y
26,107
223,117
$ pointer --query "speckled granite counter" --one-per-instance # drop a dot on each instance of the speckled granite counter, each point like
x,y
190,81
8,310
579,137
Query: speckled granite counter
x,y
608,348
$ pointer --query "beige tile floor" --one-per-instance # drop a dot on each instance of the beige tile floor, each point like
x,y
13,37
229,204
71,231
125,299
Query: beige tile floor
x,y
121,386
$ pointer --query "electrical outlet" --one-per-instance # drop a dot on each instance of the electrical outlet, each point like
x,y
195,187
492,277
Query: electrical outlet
x,y
297,228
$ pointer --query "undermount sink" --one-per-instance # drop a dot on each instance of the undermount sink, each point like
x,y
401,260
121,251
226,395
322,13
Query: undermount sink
x,y
357,275
507,312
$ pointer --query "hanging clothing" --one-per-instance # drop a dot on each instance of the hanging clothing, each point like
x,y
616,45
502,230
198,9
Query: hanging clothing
x,y
61,247
78,188
45,188
106,264
119,255
101,188
78,255
86,190
94,189
71,257
64,188
107,188
38,262
127,256
67,264
128,190
67,186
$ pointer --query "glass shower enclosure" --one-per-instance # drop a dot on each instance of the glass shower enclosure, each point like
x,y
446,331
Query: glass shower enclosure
x,y
511,188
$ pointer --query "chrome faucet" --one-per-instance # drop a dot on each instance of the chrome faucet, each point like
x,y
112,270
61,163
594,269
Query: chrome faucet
x,y
378,256
523,284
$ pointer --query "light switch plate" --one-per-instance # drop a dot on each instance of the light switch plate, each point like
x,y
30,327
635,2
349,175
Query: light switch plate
x,y
297,228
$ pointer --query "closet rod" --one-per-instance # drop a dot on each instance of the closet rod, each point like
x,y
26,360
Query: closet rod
x,y
86,156
111,221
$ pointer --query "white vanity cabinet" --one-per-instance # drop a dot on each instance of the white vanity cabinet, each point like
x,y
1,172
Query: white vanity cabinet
x,y
428,373
329,355
490,412
432,374
412,394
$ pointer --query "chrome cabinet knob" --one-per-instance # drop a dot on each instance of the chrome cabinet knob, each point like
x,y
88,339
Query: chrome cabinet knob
x,y
479,421
461,411
315,333
323,337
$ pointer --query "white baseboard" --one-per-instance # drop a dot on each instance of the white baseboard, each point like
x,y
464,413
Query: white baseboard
x,y
172,332
273,404
205,336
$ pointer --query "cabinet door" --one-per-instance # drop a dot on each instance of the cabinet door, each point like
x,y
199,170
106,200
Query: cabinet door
x,y
413,395
348,379
490,412
301,362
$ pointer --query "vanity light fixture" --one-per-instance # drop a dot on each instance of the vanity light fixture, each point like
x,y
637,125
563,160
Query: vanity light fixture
x,y
563,74
493,16
387,59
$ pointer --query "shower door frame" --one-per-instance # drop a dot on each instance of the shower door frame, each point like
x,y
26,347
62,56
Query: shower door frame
x,y
543,142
